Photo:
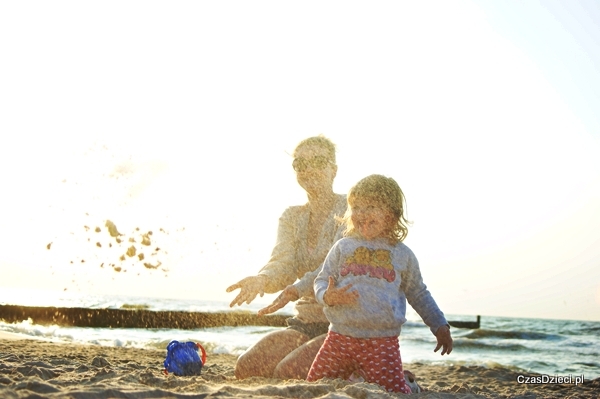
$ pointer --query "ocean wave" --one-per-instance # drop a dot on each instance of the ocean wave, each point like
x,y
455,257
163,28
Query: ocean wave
x,y
523,335
595,365
495,346
589,329
482,345
414,324
536,366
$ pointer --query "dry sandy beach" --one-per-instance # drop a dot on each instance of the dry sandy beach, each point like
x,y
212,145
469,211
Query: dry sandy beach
x,y
42,369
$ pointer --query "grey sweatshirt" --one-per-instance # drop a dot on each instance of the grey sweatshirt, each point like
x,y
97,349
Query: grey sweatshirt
x,y
385,276
291,258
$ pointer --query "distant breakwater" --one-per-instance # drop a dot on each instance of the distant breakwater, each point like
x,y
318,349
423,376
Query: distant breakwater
x,y
135,318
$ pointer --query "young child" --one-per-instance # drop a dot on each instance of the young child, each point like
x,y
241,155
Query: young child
x,y
364,284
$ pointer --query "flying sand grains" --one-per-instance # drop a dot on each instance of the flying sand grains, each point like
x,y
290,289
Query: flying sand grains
x,y
126,252
112,229
146,240
151,266
131,251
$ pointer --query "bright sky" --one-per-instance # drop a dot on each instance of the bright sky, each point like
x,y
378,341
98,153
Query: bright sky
x,y
183,116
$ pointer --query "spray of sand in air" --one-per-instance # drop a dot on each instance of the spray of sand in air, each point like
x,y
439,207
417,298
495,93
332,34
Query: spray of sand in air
x,y
111,248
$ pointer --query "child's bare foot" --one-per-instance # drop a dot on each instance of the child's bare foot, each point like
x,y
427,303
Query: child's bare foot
x,y
412,382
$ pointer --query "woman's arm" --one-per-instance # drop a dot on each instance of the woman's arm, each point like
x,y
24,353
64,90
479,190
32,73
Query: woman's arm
x,y
279,272
282,268
249,288
289,294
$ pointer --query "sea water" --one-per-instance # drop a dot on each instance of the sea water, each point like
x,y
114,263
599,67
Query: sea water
x,y
553,347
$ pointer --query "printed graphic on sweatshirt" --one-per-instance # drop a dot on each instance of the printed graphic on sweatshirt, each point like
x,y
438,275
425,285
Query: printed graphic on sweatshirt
x,y
375,263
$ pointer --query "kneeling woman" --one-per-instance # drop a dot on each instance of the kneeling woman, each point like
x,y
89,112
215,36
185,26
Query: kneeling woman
x,y
304,237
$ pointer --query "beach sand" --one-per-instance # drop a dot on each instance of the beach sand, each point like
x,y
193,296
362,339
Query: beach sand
x,y
42,369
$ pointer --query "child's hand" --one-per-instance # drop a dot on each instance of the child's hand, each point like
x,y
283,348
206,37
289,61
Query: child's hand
x,y
339,296
444,340
290,293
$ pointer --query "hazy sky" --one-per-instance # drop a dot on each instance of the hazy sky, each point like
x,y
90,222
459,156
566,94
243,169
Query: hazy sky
x,y
182,116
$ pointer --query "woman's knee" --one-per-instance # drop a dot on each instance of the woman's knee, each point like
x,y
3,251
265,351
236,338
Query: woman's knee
x,y
244,366
261,359
297,364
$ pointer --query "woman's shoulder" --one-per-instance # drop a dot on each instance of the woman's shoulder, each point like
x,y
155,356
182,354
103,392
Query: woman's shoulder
x,y
294,211
341,204
342,199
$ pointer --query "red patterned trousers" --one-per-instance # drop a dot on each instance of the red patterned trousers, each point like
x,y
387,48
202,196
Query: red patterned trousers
x,y
377,360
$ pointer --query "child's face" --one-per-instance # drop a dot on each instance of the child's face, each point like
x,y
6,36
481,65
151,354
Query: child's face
x,y
371,218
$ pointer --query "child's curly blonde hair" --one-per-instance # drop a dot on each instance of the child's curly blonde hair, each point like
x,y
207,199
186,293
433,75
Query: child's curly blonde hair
x,y
386,191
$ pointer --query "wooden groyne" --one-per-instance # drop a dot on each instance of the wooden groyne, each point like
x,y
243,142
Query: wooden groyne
x,y
134,318
466,324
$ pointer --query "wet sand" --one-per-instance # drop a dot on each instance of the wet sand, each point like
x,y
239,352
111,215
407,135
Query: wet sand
x,y
37,368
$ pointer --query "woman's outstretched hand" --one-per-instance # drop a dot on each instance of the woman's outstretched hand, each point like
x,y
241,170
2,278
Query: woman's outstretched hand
x,y
249,287
289,294
444,340
339,296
